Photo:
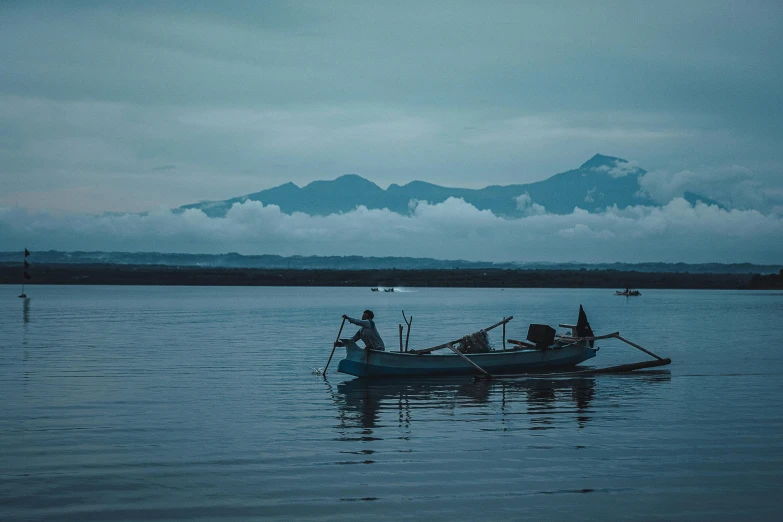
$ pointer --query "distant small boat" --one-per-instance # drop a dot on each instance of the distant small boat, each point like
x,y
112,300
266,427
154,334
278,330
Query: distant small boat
x,y
374,289
628,292
388,289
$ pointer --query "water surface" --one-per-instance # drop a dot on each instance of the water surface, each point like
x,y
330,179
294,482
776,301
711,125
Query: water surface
x,y
191,403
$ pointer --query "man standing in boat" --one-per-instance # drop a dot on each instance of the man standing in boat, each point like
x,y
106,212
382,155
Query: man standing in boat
x,y
368,333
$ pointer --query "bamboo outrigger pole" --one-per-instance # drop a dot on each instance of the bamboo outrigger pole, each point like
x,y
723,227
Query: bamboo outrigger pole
x,y
446,345
623,339
615,335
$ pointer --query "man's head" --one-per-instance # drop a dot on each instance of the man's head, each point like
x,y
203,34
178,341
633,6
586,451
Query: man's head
x,y
368,314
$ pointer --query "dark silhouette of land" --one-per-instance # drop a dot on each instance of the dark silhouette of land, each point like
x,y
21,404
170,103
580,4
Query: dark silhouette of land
x,y
767,281
112,274
354,262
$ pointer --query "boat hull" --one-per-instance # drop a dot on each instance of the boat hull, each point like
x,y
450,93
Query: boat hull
x,y
389,364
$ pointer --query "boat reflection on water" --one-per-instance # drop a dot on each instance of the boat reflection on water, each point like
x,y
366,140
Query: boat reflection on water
x,y
367,405
361,401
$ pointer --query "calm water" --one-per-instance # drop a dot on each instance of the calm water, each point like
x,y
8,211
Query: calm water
x,y
161,403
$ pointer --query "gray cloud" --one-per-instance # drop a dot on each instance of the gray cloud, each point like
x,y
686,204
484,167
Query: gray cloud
x,y
96,98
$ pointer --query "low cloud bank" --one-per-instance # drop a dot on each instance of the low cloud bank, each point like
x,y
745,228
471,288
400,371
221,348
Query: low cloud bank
x,y
734,186
454,229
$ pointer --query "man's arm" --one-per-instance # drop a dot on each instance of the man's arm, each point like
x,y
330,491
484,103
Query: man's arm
x,y
359,322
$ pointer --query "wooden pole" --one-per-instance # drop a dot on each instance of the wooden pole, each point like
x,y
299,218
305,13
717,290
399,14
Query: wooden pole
x,y
574,340
445,345
400,338
504,335
504,321
334,346
523,344
408,335
637,346
476,366
615,335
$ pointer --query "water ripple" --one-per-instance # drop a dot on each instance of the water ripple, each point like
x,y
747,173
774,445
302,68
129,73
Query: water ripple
x,y
159,403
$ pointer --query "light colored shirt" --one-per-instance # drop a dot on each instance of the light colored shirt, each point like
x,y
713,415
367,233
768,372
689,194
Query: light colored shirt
x,y
369,334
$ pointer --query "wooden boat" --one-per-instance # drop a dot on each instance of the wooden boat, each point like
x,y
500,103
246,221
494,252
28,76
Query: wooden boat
x,y
545,351
628,292
471,354
373,363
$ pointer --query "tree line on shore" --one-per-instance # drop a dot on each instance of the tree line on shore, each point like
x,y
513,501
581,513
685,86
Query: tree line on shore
x,y
767,281
111,274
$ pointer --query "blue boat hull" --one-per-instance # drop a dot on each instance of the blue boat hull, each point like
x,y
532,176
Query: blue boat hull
x,y
389,364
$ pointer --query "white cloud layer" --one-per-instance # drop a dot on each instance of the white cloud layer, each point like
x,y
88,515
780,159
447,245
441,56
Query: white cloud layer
x,y
676,232
620,168
528,207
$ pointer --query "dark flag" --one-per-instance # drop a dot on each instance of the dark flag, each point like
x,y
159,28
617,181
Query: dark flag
x,y
26,264
26,275
583,327
26,252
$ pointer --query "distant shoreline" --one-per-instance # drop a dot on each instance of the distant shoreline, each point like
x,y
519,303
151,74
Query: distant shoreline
x,y
354,262
112,274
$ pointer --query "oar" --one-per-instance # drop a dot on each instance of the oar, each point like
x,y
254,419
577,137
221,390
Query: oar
x,y
335,346
476,366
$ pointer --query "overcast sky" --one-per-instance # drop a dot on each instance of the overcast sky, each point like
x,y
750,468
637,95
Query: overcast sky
x,y
138,106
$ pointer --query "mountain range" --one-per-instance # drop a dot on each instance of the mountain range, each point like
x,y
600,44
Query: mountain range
x,y
600,182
